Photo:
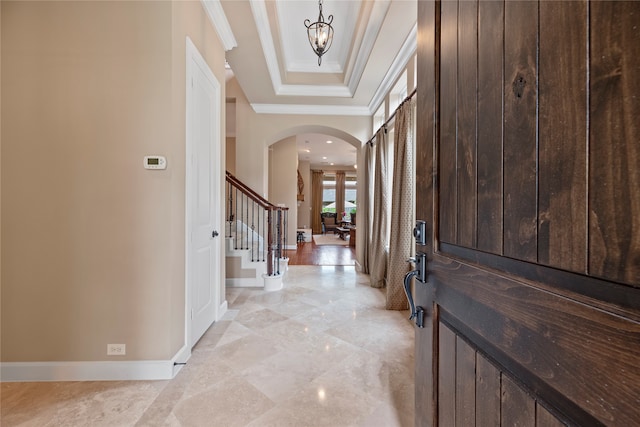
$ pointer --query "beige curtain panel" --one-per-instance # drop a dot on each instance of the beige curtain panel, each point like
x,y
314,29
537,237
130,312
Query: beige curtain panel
x,y
365,212
380,225
340,193
316,201
401,243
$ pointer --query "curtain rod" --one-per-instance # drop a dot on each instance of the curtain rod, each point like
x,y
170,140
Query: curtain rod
x,y
384,125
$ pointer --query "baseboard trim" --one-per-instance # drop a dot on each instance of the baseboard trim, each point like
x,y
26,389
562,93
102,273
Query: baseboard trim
x,y
222,310
249,282
182,355
87,371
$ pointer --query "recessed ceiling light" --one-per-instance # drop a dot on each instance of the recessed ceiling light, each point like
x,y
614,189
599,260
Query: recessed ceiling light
x,y
331,164
324,158
329,142
307,150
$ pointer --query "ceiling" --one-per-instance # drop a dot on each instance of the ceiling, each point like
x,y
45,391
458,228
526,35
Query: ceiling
x,y
269,54
323,151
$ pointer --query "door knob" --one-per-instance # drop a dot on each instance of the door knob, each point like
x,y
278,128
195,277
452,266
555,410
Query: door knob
x,y
214,234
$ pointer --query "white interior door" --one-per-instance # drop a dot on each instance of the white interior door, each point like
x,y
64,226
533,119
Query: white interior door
x,y
203,195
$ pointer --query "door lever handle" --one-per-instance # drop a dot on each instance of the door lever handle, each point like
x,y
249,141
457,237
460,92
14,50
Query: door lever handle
x,y
407,291
214,234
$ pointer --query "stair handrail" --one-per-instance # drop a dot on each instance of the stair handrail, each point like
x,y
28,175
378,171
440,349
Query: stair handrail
x,y
249,191
277,218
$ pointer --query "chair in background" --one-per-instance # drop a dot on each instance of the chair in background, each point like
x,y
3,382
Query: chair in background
x,y
329,221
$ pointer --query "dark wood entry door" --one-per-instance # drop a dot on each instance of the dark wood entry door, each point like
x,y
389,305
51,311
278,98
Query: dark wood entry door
x,y
529,179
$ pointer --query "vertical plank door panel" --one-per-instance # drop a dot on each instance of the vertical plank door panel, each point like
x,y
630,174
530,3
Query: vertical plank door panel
x,y
487,393
518,408
520,156
490,84
465,383
447,377
467,103
614,141
544,418
562,231
448,122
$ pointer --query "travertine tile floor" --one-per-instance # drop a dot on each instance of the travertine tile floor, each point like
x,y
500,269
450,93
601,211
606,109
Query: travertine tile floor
x,y
321,352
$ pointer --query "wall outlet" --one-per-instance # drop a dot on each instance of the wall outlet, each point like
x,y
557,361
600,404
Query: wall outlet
x,y
116,349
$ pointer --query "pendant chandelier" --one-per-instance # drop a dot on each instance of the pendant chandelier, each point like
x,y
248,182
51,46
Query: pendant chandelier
x,y
320,34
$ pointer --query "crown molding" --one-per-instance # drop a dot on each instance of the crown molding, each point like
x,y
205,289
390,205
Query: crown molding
x,y
261,19
335,91
407,50
321,110
220,23
372,29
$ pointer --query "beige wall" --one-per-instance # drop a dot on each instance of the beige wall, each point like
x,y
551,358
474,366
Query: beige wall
x,y
255,132
283,181
0,176
304,210
230,163
234,270
230,132
93,243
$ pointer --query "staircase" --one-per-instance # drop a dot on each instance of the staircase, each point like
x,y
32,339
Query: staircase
x,y
255,236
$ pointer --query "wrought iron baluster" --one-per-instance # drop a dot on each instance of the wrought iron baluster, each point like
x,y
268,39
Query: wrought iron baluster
x,y
264,234
253,248
284,231
243,243
236,220
246,224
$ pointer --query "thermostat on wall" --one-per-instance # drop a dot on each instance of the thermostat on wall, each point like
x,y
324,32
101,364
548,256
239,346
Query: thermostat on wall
x,y
155,162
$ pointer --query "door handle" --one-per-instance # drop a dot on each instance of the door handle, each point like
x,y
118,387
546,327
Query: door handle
x,y
214,234
420,273
418,312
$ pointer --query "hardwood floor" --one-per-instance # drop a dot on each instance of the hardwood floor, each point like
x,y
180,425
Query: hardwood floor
x,y
309,253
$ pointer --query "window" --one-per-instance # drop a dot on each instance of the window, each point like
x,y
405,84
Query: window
x,y
329,193
398,93
350,193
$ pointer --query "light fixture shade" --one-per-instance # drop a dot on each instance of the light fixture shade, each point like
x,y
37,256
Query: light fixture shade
x,y
320,34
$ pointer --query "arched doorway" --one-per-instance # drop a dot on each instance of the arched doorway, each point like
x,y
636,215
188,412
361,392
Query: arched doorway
x,y
293,154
